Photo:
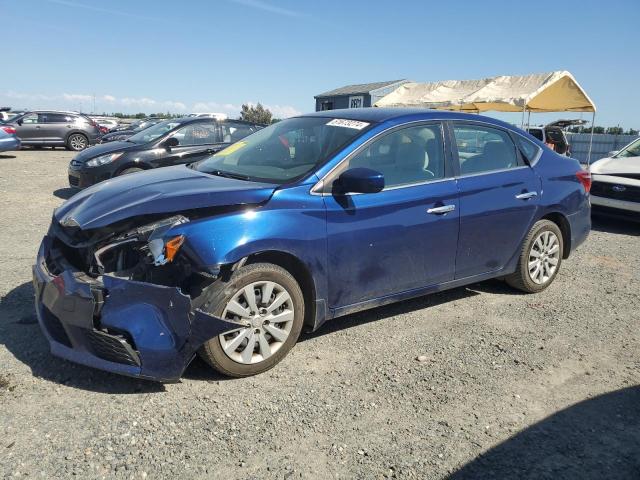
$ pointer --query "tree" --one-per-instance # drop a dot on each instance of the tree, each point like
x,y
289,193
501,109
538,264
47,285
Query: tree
x,y
255,113
615,130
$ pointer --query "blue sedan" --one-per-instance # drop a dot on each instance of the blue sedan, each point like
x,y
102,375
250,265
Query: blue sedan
x,y
307,220
8,139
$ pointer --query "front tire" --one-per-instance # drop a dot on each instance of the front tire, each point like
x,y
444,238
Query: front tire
x,y
268,301
540,258
77,142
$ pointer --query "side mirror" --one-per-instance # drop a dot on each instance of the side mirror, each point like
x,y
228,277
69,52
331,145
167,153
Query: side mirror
x,y
359,180
613,153
171,142
19,122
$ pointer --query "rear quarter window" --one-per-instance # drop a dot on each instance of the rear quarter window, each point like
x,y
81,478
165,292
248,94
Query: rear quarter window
x,y
528,149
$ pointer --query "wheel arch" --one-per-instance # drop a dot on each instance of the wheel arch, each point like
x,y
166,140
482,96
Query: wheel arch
x,y
131,164
73,132
565,228
295,267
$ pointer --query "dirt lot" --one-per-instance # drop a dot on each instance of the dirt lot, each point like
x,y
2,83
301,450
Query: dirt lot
x,y
507,385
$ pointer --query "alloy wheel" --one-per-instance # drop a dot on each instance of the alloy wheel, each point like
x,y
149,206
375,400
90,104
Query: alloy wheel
x,y
78,142
266,311
544,256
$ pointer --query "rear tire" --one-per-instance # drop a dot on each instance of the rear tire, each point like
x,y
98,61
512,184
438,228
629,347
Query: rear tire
x,y
270,331
540,258
77,142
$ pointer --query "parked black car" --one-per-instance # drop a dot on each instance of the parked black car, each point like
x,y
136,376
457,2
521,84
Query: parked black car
x,y
54,128
120,134
172,142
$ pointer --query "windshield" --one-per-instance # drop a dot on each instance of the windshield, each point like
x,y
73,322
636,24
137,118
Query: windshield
x,y
150,134
631,150
284,151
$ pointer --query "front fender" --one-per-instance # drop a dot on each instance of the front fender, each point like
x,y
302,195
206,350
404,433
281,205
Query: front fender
x,y
293,221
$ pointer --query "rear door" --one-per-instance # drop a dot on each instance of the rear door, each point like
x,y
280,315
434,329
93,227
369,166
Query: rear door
x,y
196,141
55,126
499,195
403,237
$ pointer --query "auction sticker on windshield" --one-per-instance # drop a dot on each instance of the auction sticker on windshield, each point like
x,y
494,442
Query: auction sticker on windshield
x,y
341,122
231,148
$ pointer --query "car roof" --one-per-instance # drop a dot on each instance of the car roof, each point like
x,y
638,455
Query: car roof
x,y
55,111
212,119
375,114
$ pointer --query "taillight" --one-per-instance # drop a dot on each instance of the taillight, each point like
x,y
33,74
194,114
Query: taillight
x,y
584,178
9,130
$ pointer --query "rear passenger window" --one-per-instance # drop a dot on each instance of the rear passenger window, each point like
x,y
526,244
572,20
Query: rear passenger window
x,y
57,118
232,132
529,149
406,156
483,149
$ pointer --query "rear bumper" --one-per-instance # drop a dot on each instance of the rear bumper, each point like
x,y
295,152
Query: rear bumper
x,y
580,225
8,144
126,327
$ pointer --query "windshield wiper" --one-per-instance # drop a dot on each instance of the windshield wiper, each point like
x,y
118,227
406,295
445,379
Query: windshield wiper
x,y
237,176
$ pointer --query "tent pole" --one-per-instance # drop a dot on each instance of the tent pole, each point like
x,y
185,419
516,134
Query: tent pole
x,y
593,123
522,122
528,119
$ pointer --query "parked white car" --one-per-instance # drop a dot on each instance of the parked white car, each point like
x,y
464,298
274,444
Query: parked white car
x,y
615,188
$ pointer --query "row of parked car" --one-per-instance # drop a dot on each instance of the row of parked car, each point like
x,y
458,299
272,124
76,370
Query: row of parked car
x,y
123,149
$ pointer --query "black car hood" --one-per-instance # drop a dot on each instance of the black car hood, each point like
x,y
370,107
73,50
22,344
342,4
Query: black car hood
x,y
161,190
103,149
107,137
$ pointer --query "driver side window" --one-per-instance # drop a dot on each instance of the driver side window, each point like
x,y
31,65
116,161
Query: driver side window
x,y
406,156
30,119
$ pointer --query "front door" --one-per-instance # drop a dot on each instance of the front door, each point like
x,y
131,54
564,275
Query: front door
x,y
499,195
403,237
29,129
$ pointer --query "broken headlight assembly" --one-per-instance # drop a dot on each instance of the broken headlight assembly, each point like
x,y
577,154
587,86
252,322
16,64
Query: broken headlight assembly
x,y
131,254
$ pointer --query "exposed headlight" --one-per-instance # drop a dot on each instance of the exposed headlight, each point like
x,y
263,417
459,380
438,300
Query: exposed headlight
x,y
148,240
103,159
162,249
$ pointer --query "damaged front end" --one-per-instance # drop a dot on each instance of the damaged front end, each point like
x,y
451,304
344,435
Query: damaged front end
x,y
124,298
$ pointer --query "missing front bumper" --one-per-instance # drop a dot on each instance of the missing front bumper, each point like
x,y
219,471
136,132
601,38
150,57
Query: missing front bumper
x,y
127,327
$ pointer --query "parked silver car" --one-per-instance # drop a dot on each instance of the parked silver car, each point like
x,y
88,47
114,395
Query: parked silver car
x,y
53,128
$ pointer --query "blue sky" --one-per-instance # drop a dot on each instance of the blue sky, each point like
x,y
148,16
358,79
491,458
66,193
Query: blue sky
x,y
198,55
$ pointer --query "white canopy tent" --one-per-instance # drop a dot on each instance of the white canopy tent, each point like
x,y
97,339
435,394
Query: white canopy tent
x,y
541,92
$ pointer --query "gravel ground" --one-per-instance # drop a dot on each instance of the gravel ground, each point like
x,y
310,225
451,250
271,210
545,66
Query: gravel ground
x,y
476,382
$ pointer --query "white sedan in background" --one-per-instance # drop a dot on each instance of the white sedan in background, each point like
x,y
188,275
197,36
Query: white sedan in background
x,y
615,188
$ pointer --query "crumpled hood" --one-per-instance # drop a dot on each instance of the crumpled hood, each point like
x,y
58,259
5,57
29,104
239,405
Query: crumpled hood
x,y
103,149
613,166
161,190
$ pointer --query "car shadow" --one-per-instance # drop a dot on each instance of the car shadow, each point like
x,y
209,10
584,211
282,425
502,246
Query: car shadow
x,y
602,223
4,155
593,439
391,310
21,335
65,193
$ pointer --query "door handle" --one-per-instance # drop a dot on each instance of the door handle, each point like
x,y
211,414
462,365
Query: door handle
x,y
526,195
441,210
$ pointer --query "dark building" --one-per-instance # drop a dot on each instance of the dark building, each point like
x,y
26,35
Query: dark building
x,y
356,96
